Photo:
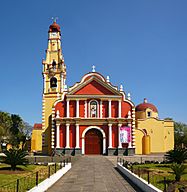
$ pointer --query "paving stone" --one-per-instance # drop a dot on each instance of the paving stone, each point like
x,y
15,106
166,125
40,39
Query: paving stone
x,y
92,174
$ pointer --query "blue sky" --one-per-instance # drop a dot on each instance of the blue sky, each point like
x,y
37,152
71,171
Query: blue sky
x,y
141,44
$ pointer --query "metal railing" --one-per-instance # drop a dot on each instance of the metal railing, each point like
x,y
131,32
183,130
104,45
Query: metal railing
x,y
31,180
152,177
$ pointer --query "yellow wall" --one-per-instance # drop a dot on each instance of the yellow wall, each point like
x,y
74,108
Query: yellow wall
x,y
169,135
47,117
161,134
138,135
143,114
36,140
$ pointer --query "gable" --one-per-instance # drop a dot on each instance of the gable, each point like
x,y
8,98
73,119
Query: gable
x,y
94,88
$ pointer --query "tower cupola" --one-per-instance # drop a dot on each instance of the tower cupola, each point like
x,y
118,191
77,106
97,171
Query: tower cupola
x,y
54,27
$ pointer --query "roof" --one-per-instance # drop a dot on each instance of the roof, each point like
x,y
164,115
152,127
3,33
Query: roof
x,y
143,106
37,126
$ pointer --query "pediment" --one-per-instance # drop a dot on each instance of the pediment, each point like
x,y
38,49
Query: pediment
x,y
94,86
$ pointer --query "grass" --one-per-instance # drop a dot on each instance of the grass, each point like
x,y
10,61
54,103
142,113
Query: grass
x,y
25,174
157,174
8,178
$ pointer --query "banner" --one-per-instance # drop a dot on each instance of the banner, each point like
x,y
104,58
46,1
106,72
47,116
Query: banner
x,y
125,134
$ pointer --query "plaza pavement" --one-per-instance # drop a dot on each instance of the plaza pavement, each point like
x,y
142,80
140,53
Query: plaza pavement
x,y
93,174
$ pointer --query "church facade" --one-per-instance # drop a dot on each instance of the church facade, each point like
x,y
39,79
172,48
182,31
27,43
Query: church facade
x,y
93,116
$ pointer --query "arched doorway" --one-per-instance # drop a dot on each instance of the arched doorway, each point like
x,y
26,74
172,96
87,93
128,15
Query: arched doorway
x,y
93,142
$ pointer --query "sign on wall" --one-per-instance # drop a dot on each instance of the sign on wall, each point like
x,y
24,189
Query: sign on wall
x,y
125,134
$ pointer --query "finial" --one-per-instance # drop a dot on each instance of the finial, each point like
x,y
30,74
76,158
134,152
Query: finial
x,y
129,114
145,100
121,87
54,19
93,68
129,96
107,79
57,114
65,87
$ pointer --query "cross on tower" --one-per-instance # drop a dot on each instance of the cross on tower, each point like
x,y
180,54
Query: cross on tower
x,y
93,68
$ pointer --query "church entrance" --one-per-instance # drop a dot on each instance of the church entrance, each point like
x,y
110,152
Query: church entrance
x,y
93,142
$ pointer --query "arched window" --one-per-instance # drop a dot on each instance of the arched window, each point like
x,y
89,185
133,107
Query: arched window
x,y
93,109
54,64
53,82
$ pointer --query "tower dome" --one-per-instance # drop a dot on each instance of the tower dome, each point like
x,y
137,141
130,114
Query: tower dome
x,y
54,27
145,105
146,110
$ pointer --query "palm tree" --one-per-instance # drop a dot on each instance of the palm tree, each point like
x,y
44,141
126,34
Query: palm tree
x,y
177,155
15,157
178,170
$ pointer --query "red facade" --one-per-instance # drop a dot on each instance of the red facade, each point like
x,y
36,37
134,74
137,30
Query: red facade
x,y
92,111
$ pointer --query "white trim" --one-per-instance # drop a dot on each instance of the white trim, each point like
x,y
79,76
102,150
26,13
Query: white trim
x,y
109,108
119,109
81,84
67,108
101,109
119,142
67,135
77,108
85,109
58,136
83,139
110,135
130,143
77,136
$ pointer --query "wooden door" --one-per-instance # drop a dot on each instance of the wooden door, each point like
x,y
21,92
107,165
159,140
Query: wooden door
x,y
93,142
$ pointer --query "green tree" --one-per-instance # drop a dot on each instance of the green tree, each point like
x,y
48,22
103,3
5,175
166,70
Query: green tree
x,y
180,134
15,157
177,155
178,170
16,130
5,126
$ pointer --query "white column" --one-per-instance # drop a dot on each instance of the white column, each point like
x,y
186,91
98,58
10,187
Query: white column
x,y
67,135
83,147
101,109
109,109
104,145
119,109
85,109
58,136
67,108
77,108
77,136
110,136
130,143
119,142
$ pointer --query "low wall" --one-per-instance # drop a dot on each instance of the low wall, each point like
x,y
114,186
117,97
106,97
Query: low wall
x,y
47,183
141,183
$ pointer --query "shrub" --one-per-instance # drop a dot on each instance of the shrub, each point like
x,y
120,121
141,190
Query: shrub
x,y
15,157
178,170
178,155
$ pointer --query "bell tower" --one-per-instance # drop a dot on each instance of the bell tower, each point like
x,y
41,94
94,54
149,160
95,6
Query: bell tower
x,y
54,77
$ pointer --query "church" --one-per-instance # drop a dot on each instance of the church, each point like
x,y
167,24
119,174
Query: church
x,y
93,117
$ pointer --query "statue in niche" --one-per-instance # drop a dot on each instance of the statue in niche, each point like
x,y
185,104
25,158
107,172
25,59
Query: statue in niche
x,y
93,109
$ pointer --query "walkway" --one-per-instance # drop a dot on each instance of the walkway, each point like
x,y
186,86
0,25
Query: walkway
x,y
92,173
